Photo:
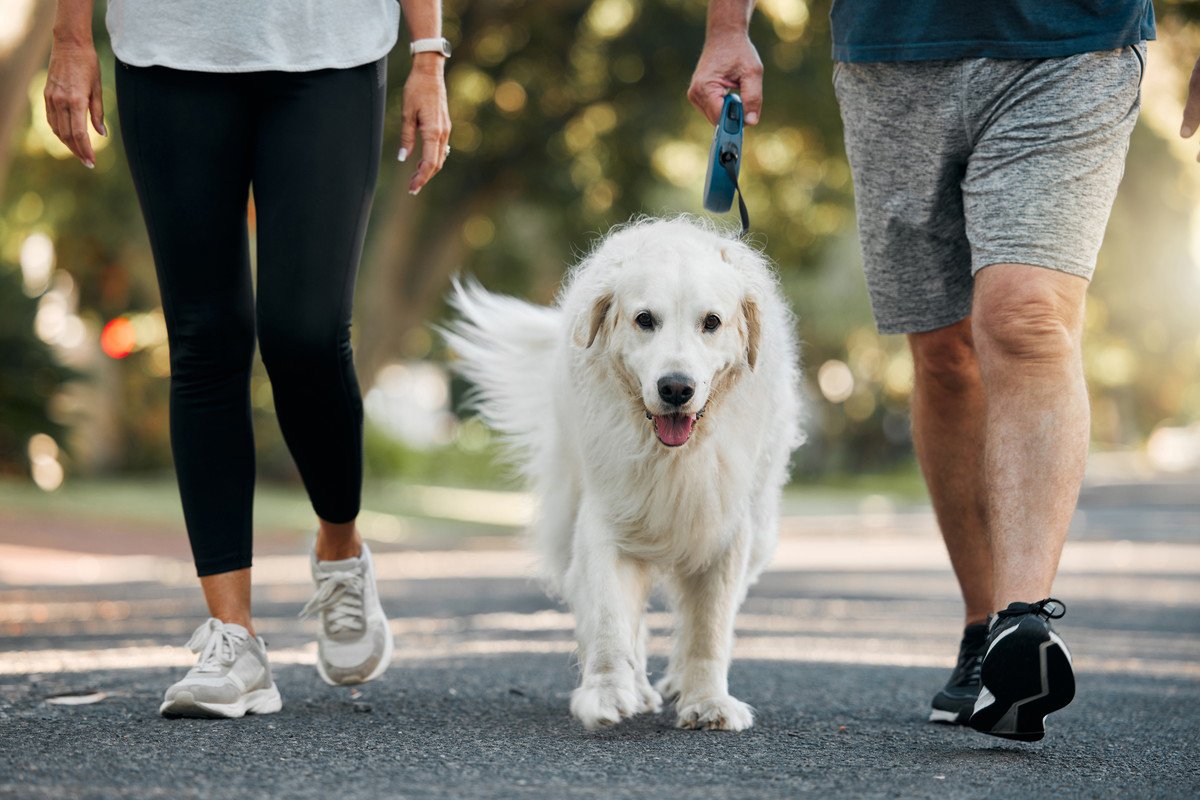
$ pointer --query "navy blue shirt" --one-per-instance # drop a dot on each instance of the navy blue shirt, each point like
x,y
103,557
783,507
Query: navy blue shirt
x,y
921,30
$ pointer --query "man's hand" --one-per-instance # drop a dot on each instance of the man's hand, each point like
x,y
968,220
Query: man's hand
x,y
72,95
425,111
729,62
1191,109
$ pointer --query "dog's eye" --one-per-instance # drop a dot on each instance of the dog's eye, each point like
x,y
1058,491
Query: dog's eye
x,y
645,321
712,322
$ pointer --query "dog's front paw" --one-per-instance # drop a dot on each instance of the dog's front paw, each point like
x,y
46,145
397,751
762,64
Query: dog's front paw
x,y
669,686
719,713
604,703
651,701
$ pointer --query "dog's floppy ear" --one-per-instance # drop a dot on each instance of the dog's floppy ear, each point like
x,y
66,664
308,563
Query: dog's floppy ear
x,y
745,261
753,322
589,325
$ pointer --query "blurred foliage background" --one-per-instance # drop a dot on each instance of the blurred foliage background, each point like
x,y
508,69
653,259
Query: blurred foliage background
x,y
569,116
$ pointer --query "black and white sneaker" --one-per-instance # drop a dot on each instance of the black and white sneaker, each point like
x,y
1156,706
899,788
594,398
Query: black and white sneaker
x,y
1026,672
955,702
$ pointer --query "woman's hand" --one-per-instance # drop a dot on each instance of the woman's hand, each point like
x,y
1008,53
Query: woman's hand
x,y
425,112
73,94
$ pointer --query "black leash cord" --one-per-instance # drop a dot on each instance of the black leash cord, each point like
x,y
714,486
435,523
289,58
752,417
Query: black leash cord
x,y
727,161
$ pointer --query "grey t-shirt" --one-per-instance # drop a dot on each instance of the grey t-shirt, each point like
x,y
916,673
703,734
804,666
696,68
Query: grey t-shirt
x,y
252,35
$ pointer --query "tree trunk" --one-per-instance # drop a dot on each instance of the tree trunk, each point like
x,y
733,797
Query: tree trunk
x,y
408,266
20,58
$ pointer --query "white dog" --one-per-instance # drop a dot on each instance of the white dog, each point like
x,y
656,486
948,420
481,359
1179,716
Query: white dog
x,y
654,411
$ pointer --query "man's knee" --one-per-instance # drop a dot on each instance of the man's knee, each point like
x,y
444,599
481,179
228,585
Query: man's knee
x,y
944,359
1027,315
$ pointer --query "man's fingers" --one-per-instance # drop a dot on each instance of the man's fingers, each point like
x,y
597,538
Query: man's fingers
x,y
709,98
751,93
1191,109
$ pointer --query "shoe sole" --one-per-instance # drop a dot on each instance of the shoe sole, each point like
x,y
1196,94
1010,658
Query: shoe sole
x,y
1027,674
385,661
260,701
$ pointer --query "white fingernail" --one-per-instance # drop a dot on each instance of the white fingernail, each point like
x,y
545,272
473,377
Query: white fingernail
x,y
403,154
413,192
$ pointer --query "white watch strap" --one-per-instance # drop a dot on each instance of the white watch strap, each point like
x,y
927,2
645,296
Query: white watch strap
x,y
438,45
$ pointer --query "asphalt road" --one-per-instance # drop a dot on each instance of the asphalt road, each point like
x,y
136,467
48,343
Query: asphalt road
x,y
840,647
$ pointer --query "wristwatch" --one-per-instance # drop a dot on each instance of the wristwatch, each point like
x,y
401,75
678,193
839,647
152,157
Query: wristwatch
x,y
438,45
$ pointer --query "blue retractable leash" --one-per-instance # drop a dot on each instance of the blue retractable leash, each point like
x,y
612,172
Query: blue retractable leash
x,y
724,161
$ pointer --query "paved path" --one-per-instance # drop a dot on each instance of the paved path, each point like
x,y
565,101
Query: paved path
x,y
840,647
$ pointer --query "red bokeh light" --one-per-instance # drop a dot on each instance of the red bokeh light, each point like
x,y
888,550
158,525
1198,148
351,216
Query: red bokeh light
x,y
118,339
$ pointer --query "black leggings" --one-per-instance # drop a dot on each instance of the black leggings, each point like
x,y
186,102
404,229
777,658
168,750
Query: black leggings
x,y
309,144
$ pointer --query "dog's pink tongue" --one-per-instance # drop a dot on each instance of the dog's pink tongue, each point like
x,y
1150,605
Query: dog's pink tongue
x,y
673,429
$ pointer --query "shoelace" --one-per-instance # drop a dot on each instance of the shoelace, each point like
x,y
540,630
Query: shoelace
x,y
340,595
216,644
970,666
975,673
1050,608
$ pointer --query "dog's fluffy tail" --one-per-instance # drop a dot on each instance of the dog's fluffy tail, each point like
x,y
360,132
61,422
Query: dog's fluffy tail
x,y
505,348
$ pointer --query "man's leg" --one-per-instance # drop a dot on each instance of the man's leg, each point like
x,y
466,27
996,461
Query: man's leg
x,y
948,419
1039,185
1021,455
1027,323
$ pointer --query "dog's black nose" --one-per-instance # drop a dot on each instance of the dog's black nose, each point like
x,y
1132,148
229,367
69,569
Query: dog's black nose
x,y
676,389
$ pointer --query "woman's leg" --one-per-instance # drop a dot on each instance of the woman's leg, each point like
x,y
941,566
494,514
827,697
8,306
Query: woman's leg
x,y
315,164
188,137
228,597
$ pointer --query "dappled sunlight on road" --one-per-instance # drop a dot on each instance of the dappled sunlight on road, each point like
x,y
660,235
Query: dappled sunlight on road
x,y
886,649
865,584
874,599
34,566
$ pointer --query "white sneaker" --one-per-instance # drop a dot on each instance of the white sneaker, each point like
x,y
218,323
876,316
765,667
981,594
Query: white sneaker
x,y
354,641
232,678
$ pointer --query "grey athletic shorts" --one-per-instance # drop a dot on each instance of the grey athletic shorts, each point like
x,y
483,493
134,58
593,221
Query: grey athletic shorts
x,y
961,164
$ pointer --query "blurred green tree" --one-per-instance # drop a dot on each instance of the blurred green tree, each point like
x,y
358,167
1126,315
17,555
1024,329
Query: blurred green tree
x,y
30,376
570,116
